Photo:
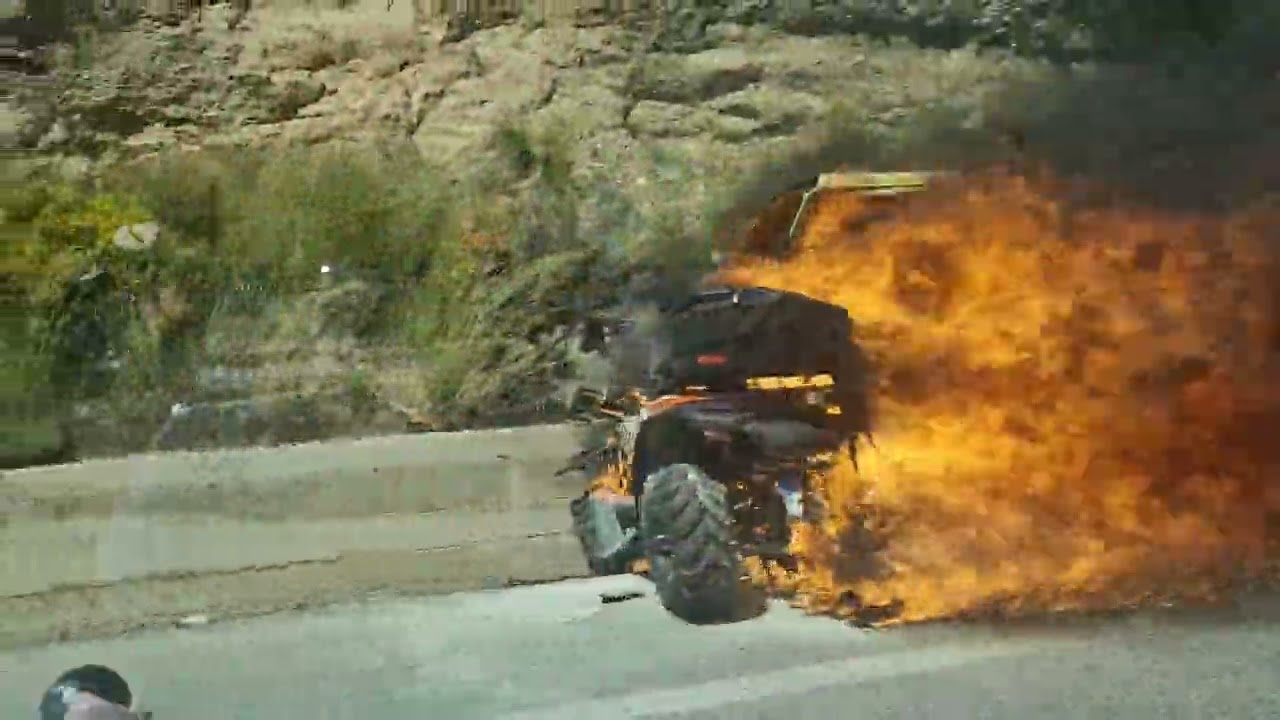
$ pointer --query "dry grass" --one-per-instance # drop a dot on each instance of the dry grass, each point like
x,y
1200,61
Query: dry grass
x,y
291,39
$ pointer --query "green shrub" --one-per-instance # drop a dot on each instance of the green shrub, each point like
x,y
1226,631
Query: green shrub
x,y
475,279
73,235
74,229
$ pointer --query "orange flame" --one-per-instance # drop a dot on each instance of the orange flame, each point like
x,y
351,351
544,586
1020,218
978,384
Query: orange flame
x,y
614,479
1076,407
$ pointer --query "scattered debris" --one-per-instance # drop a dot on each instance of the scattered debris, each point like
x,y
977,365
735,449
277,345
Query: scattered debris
x,y
136,237
608,598
520,582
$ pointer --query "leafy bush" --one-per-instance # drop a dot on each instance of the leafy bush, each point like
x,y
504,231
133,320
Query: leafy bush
x,y
78,285
74,229
475,282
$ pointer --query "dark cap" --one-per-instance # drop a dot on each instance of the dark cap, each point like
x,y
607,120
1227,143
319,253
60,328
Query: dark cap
x,y
99,680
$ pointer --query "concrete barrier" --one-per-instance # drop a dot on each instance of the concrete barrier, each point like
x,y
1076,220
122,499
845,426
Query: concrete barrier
x,y
106,521
340,478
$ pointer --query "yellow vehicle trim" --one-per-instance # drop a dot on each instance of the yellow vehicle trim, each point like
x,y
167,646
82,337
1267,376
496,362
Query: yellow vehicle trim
x,y
864,183
874,180
790,382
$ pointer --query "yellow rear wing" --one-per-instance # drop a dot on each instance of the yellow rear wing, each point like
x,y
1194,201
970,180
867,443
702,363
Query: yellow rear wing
x,y
864,183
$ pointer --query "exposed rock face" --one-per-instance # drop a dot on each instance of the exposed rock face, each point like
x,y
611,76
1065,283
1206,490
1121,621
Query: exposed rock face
x,y
295,79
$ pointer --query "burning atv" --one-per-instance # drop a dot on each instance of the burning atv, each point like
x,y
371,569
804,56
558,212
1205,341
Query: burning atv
x,y
746,389
719,416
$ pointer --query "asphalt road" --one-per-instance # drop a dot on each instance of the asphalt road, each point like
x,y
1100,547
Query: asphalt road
x,y
558,652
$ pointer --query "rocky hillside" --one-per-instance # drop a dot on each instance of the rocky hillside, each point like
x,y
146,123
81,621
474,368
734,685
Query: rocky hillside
x,y
293,78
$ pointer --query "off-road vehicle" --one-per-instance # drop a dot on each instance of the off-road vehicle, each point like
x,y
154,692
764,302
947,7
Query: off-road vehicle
x,y
722,407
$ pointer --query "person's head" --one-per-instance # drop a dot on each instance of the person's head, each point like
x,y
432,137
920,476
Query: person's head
x,y
85,692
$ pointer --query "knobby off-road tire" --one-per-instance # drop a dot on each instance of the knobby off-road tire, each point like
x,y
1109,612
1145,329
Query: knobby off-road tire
x,y
600,534
688,529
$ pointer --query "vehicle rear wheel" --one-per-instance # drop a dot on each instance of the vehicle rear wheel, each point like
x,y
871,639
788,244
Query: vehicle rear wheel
x,y
604,541
688,529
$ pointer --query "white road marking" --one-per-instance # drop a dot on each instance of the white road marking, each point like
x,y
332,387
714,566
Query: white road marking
x,y
795,680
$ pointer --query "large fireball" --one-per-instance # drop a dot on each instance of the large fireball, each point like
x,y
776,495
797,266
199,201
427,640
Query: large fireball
x,y
1076,406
